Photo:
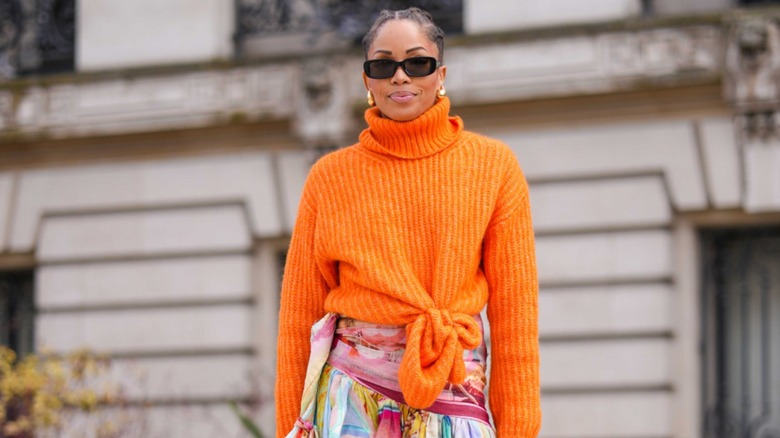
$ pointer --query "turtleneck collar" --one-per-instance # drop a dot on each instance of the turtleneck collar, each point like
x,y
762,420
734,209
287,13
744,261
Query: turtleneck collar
x,y
431,132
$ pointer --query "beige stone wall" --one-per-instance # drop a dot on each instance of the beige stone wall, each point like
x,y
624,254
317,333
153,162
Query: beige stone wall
x,y
503,15
167,266
604,196
157,262
169,260
143,33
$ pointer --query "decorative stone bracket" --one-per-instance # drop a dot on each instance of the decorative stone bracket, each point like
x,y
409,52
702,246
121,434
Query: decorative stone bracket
x,y
752,86
323,113
752,64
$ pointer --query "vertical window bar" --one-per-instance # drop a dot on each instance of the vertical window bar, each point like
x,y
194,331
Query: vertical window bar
x,y
743,360
26,312
5,325
723,388
765,305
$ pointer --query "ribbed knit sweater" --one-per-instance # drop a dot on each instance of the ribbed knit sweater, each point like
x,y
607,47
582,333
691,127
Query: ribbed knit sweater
x,y
420,224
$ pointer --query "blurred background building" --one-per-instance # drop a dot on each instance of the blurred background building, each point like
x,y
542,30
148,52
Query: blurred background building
x,y
152,153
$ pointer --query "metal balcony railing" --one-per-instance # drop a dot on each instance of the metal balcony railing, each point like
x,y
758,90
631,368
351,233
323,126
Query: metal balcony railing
x,y
36,37
348,20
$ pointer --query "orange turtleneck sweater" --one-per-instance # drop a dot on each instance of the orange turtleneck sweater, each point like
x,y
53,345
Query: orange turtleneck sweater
x,y
419,224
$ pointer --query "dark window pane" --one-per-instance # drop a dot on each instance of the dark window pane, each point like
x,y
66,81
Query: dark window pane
x,y
741,332
758,2
38,37
17,311
350,19
353,18
56,35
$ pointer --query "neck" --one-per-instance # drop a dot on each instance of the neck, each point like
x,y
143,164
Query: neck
x,y
431,132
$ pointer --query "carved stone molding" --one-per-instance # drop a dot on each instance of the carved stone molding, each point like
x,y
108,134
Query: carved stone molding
x,y
752,64
654,53
319,94
589,64
147,102
758,126
752,85
323,114
752,78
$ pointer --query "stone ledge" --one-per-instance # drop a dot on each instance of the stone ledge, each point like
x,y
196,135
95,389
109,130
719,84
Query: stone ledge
x,y
148,102
494,71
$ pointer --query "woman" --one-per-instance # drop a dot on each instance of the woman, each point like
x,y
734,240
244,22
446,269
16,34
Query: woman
x,y
400,241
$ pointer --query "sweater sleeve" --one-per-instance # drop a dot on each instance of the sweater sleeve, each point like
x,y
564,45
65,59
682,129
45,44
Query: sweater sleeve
x,y
302,304
510,268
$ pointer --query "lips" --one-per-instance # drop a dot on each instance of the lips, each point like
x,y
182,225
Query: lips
x,y
401,96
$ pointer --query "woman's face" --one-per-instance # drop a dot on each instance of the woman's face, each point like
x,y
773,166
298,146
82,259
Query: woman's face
x,y
400,97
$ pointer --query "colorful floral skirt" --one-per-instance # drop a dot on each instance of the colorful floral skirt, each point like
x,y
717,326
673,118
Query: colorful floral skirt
x,y
354,391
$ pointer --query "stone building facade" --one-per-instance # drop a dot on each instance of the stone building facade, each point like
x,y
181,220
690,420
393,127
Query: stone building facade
x,y
149,194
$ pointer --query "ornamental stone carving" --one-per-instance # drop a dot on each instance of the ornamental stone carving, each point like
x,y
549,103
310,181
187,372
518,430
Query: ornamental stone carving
x,y
752,80
147,101
752,86
323,108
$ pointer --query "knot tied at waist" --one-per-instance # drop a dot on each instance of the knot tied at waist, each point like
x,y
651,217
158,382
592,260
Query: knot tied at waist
x,y
435,342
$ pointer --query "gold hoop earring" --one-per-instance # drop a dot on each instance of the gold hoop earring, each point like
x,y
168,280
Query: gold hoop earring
x,y
442,92
370,98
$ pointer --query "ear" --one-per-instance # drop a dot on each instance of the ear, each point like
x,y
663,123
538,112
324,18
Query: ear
x,y
442,74
365,80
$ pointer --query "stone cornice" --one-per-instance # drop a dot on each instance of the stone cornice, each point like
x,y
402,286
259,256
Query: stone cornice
x,y
585,65
485,69
147,102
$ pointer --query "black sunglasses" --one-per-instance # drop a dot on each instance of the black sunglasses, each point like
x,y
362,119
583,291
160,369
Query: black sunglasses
x,y
416,67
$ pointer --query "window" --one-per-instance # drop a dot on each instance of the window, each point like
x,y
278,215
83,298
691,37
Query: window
x,y
38,37
757,2
741,332
17,312
278,20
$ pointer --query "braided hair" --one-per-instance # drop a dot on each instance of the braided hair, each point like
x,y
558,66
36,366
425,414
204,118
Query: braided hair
x,y
416,15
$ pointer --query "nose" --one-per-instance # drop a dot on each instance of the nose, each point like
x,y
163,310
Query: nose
x,y
400,76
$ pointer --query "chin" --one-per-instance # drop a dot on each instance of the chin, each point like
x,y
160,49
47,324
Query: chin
x,y
403,115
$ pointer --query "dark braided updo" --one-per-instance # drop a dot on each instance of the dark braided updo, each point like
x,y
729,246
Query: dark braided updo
x,y
416,15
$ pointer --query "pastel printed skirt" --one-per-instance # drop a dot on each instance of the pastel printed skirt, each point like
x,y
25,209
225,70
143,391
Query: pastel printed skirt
x,y
352,389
